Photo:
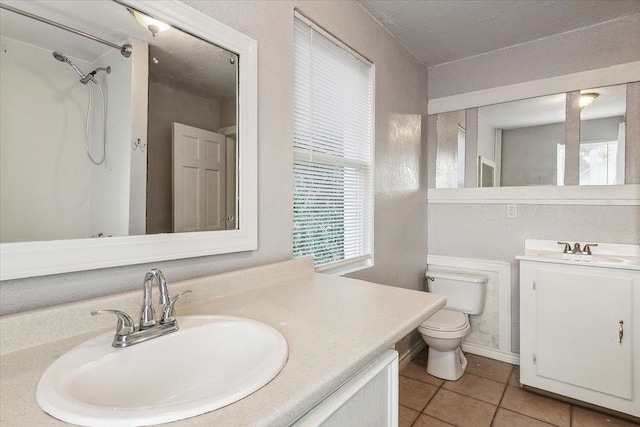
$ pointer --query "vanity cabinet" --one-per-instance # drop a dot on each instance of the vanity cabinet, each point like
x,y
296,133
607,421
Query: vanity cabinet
x,y
580,333
369,398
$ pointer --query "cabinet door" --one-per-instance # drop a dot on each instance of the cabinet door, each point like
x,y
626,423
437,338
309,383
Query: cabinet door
x,y
368,399
578,318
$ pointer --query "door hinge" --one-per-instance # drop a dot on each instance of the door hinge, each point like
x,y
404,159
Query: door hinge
x,y
535,359
534,285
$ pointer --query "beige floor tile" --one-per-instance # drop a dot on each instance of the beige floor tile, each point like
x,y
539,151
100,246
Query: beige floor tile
x,y
427,421
480,388
406,416
506,418
417,369
514,379
460,410
415,394
583,417
536,406
488,368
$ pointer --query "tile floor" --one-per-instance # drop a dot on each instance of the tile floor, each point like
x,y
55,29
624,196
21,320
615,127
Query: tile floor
x,y
487,395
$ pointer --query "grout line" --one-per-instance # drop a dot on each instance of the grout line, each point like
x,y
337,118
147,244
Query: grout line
x,y
471,397
571,415
501,397
535,417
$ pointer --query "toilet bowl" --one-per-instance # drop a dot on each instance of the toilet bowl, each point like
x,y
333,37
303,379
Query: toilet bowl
x,y
444,331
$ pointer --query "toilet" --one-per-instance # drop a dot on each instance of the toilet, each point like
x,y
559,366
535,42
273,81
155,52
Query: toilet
x,y
444,331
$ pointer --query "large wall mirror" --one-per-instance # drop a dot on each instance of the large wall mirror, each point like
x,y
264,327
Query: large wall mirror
x,y
522,143
114,156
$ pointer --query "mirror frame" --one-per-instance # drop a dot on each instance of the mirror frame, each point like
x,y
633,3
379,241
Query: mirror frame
x,y
29,259
627,194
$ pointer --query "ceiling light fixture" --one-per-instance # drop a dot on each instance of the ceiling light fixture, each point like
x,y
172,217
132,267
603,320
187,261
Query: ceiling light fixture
x,y
151,24
587,98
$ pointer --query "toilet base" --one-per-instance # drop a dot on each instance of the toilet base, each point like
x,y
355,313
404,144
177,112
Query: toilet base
x,y
448,365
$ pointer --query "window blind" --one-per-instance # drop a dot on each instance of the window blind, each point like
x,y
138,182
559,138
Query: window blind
x,y
333,149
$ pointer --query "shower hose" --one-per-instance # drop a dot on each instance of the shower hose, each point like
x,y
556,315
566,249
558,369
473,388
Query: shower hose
x,y
104,125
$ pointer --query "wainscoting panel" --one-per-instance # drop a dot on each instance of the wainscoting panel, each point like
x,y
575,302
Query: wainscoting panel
x,y
490,331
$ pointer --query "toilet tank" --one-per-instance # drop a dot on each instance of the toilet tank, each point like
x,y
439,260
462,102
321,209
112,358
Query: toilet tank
x,y
465,292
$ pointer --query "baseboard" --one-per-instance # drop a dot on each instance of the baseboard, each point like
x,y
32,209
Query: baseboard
x,y
410,355
491,353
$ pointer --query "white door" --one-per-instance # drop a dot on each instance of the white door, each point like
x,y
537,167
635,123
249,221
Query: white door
x,y
199,179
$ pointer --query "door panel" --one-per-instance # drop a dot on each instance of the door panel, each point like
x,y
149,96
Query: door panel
x,y
199,196
577,318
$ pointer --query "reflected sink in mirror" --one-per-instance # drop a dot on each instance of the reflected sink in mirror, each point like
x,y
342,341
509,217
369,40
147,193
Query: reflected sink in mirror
x,y
210,362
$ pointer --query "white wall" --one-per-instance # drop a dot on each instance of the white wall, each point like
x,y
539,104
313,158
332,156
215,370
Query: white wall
x,y
139,118
529,155
482,230
42,114
400,175
486,139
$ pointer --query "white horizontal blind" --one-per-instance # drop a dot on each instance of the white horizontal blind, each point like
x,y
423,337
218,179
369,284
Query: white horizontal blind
x,y
333,150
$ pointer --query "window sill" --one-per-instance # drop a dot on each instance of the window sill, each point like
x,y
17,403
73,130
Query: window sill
x,y
341,268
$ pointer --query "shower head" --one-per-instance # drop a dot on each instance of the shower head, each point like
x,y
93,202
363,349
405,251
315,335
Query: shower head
x,y
63,58
91,75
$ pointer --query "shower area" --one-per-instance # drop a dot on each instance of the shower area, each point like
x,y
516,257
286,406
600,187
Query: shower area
x,y
62,116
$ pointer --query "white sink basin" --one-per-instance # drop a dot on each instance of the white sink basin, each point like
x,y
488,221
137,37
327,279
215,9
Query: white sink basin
x,y
210,362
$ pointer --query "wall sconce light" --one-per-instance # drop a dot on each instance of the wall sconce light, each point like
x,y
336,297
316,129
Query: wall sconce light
x,y
151,24
587,98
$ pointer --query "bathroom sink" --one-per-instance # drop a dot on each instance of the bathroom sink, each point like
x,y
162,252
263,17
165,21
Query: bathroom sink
x,y
591,258
610,260
210,362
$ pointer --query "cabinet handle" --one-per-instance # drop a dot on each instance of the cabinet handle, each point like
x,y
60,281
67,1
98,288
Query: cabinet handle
x,y
620,330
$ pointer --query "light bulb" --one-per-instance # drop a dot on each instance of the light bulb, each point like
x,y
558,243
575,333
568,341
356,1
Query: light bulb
x,y
587,98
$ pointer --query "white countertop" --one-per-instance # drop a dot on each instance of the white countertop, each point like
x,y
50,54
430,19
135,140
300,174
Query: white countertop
x,y
333,325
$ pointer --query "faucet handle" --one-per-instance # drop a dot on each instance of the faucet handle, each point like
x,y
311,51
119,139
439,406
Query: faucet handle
x,y
168,310
567,247
587,248
125,324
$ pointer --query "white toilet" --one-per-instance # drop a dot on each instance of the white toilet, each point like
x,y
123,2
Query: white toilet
x,y
444,331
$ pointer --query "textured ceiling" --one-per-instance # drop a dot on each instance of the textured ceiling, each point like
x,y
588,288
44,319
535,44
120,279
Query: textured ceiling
x,y
441,31
184,62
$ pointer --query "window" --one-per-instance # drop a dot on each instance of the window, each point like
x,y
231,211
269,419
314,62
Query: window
x,y
333,151
598,163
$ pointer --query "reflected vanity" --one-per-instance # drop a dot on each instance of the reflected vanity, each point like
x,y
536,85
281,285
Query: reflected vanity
x,y
177,130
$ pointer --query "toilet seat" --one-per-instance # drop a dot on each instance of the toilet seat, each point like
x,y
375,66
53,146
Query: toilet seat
x,y
445,324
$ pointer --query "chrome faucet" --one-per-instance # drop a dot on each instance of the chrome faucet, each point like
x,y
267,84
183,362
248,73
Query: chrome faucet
x,y
576,248
587,248
127,333
148,313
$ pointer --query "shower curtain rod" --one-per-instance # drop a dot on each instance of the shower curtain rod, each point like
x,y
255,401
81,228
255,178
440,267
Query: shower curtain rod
x,y
125,50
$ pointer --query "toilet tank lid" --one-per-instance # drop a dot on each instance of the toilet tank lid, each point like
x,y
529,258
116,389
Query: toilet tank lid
x,y
465,277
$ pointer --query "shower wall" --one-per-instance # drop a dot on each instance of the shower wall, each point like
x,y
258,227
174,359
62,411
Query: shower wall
x,y
42,146
50,189
109,186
